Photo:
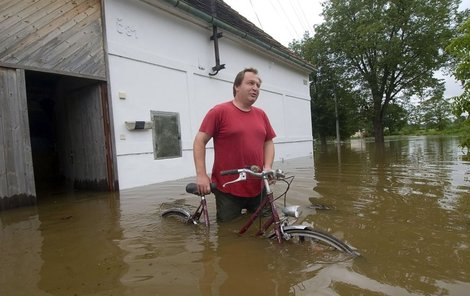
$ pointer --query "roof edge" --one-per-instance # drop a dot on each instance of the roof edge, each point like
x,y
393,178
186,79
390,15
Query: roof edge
x,y
179,4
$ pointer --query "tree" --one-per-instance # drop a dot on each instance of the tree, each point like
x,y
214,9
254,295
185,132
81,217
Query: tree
x,y
389,47
395,119
459,49
326,86
436,111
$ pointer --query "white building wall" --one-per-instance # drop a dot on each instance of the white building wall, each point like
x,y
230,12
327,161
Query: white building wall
x,y
161,63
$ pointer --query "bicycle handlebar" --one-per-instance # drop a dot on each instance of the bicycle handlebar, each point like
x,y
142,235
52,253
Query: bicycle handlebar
x,y
229,172
277,174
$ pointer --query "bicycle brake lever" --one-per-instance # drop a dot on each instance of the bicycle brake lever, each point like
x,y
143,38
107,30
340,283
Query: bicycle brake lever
x,y
241,177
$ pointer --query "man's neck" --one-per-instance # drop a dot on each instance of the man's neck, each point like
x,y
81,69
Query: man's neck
x,y
242,107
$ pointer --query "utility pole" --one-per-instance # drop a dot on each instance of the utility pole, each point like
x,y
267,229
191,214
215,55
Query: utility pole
x,y
337,119
338,141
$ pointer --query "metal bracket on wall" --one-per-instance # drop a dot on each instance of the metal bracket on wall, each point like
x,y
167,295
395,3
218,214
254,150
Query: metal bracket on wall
x,y
138,125
215,37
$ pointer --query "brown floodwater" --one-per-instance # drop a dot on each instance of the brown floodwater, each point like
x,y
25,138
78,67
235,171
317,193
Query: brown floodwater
x,y
405,207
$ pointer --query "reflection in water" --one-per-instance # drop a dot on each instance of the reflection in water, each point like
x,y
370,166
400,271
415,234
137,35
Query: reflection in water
x,y
78,247
63,247
404,205
20,241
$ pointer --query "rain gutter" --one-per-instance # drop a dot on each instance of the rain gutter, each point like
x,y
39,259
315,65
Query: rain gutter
x,y
216,22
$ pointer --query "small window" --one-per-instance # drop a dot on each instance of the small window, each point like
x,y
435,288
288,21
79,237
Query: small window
x,y
166,134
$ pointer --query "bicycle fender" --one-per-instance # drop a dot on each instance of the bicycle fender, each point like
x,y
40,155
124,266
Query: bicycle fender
x,y
182,211
296,227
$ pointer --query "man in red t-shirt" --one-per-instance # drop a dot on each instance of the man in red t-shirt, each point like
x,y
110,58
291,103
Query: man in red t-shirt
x,y
242,137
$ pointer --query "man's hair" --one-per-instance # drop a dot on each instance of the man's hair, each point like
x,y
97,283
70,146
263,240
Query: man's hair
x,y
241,75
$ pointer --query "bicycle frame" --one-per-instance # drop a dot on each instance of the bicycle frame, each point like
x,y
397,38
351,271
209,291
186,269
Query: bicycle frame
x,y
282,231
195,216
274,219
269,199
201,210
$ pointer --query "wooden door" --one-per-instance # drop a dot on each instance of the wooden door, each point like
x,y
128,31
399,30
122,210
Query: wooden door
x,y
17,186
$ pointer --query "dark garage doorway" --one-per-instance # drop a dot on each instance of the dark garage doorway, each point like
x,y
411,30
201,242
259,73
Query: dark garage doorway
x,y
69,130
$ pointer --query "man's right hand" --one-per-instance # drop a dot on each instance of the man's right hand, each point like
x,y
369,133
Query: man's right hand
x,y
203,184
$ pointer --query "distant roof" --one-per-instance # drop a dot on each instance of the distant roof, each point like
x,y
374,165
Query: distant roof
x,y
229,19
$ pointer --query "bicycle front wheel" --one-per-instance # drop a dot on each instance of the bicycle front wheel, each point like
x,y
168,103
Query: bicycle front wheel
x,y
318,239
177,214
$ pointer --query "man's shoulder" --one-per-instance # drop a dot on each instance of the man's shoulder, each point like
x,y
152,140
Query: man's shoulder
x,y
222,106
258,110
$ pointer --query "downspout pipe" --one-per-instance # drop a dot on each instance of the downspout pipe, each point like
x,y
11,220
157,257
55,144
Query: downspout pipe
x,y
216,22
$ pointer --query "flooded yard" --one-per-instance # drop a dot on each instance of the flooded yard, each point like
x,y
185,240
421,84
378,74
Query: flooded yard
x,y
404,206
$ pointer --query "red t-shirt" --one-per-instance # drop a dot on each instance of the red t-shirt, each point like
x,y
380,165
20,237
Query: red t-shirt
x,y
239,138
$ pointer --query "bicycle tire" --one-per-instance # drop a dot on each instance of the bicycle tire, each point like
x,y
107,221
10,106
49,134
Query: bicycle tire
x,y
303,234
178,214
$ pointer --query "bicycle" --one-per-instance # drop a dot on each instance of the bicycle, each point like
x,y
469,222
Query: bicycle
x,y
283,231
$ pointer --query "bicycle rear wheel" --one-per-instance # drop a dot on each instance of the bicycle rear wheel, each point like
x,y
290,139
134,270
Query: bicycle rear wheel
x,y
177,214
318,239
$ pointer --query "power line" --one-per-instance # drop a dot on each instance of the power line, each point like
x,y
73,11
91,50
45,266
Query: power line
x,y
288,19
280,16
302,18
256,14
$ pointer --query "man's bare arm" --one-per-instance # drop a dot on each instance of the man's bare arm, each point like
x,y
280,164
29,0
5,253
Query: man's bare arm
x,y
199,153
268,154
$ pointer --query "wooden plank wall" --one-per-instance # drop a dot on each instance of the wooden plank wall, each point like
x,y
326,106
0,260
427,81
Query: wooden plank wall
x,y
82,137
16,163
60,36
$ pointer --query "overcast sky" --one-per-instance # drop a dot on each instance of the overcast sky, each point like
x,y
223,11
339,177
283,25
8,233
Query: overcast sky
x,y
286,20
283,20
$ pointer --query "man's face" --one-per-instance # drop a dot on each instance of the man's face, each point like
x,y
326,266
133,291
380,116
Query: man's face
x,y
248,90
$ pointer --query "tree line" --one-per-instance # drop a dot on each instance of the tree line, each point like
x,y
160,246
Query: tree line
x,y
375,63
